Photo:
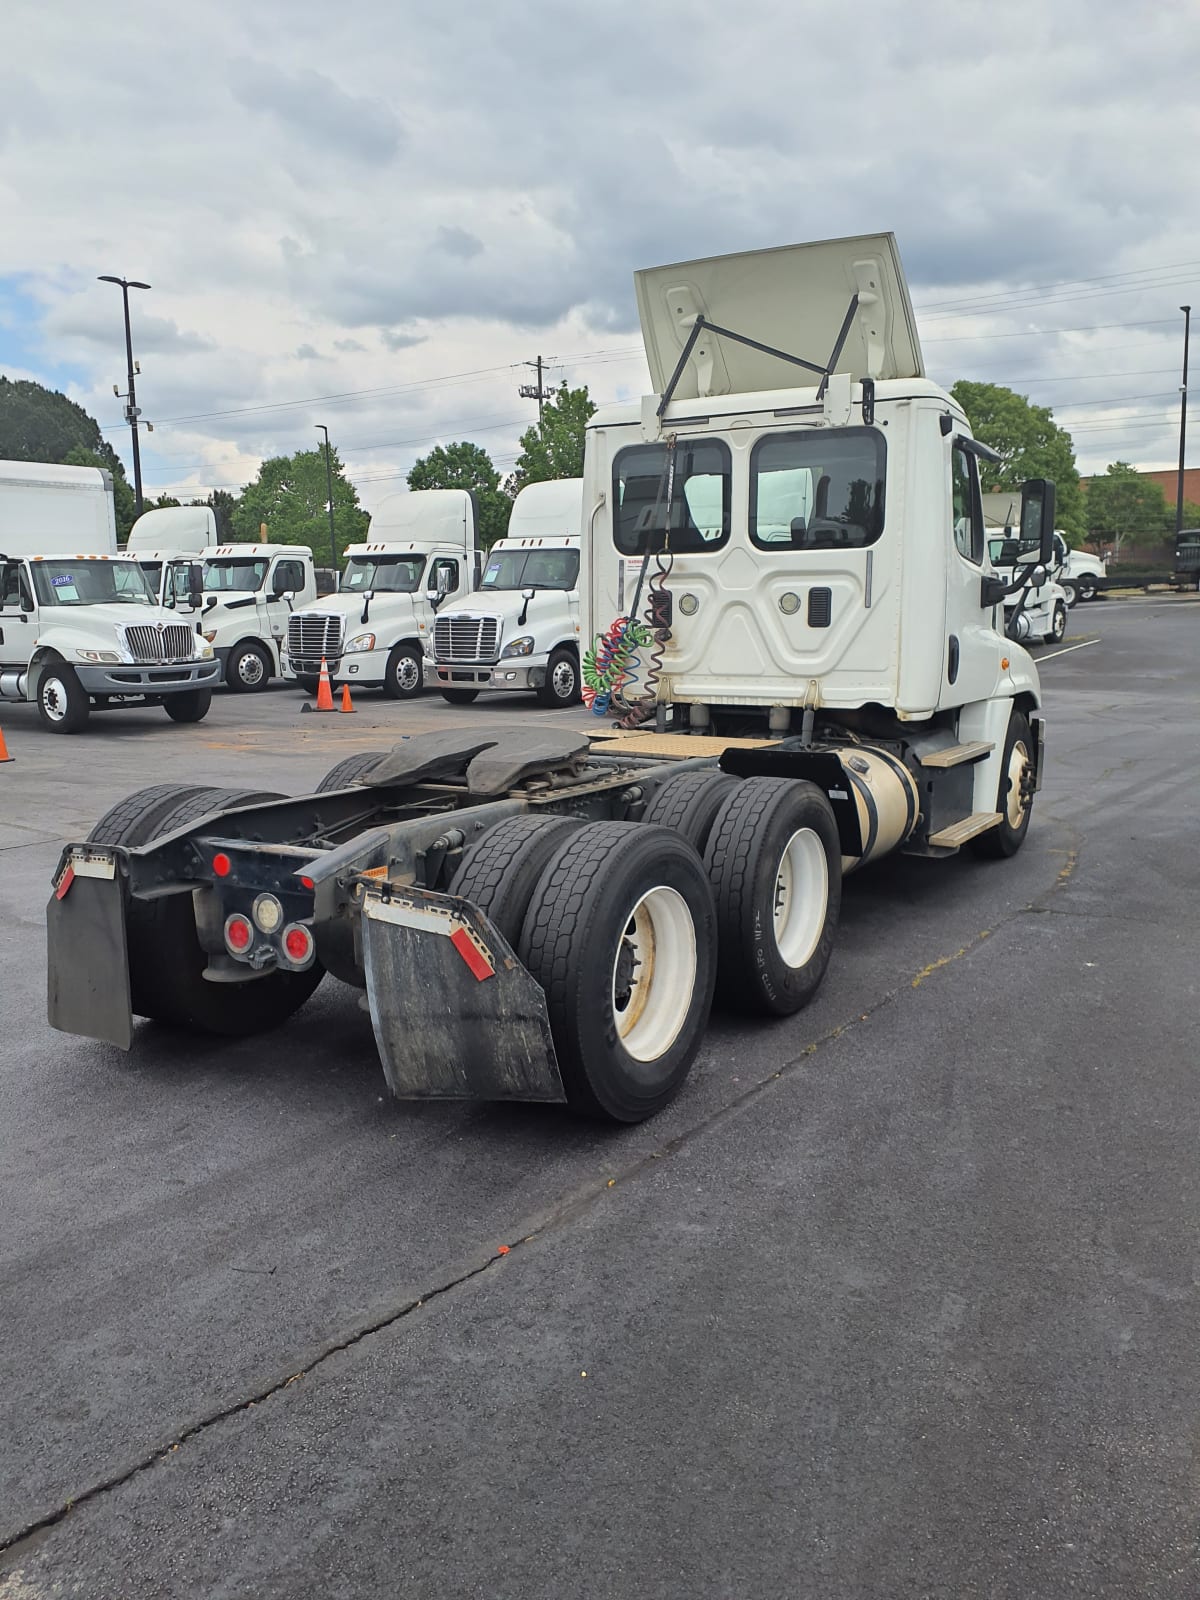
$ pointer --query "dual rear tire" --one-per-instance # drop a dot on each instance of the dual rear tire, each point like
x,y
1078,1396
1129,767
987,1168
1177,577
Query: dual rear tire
x,y
630,929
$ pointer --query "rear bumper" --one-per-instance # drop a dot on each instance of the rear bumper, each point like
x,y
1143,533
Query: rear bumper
x,y
139,680
482,675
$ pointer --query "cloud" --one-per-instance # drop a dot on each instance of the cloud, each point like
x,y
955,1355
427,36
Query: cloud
x,y
314,108
406,201
458,242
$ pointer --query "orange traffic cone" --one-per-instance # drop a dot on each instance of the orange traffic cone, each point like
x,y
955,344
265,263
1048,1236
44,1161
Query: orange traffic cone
x,y
324,691
4,755
347,704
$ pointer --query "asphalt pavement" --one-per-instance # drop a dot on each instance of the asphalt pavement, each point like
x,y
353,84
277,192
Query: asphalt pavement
x,y
898,1299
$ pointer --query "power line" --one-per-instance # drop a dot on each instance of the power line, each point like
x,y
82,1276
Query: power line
x,y
1046,333
1062,283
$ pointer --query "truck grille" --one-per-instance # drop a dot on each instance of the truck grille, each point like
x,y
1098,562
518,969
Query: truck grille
x,y
160,642
312,635
466,638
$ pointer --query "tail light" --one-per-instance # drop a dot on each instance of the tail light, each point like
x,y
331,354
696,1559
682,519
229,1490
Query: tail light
x,y
299,947
238,934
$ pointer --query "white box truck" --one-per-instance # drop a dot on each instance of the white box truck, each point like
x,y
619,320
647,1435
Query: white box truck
x,y
371,634
536,915
168,542
250,594
520,630
80,626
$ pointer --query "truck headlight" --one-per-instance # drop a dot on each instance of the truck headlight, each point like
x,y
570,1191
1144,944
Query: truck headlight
x,y
363,641
97,655
204,650
519,647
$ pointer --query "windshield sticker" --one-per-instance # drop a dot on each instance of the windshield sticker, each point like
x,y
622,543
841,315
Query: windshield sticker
x,y
64,582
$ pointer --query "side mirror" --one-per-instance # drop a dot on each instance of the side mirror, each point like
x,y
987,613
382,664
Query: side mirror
x,y
528,594
209,602
280,586
195,585
434,597
1037,518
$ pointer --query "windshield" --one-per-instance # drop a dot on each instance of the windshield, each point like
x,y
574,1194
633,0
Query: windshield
x,y
91,583
238,572
1007,552
385,575
532,569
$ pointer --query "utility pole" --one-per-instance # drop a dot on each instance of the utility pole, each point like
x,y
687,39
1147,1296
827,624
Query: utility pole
x,y
1187,328
529,391
321,428
131,406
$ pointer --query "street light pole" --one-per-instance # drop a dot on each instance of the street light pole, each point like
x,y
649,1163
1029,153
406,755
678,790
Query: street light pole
x,y
1187,328
131,406
321,428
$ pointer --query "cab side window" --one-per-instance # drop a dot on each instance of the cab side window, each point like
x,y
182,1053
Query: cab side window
x,y
290,575
966,505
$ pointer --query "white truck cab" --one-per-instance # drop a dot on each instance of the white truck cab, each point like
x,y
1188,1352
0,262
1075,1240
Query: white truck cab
x,y
372,632
168,542
521,630
815,557
250,593
81,628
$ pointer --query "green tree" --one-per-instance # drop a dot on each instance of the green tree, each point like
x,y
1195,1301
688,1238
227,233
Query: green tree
x,y
553,447
1124,505
123,501
291,497
467,466
1030,445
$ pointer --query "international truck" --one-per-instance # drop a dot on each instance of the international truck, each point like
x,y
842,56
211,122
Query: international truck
x,y
168,542
81,628
788,537
422,552
520,630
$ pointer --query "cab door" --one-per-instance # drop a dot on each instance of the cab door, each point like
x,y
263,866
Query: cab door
x,y
286,576
18,619
971,645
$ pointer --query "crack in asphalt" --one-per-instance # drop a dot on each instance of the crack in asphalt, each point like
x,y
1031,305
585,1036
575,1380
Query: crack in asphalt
x,y
566,1211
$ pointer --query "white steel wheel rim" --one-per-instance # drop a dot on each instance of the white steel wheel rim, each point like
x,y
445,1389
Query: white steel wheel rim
x,y
407,672
250,668
801,897
563,680
54,699
1018,764
1060,622
654,974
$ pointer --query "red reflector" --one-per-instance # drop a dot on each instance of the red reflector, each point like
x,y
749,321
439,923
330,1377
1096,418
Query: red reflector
x,y
298,943
238,933
64,883
308,883
472,954
222,865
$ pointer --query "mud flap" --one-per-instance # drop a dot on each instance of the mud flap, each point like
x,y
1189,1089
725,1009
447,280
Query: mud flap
x,y
456,1015
87,978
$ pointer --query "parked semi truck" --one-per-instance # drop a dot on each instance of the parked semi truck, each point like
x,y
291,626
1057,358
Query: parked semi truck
x,y
538,914
422,551
1185,573
520,630
81,629
251,592
1038,610
168,543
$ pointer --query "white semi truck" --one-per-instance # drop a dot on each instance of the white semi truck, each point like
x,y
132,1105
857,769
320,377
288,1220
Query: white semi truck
x,y
520,630
372,634
168,542
792,523
80,627
1038,610
251,592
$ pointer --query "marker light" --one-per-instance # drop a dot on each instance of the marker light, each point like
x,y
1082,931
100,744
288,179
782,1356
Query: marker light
x,y
238,933
221,865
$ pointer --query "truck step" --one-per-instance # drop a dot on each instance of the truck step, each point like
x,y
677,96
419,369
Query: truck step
x,y
959,832
957,754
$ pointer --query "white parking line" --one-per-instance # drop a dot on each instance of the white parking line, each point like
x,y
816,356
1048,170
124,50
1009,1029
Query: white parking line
x,y
1066,652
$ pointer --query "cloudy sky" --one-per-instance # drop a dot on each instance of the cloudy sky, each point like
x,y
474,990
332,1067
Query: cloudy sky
x,y
371,215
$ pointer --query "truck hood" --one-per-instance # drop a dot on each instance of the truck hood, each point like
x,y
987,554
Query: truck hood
x,y
350,606
101,627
